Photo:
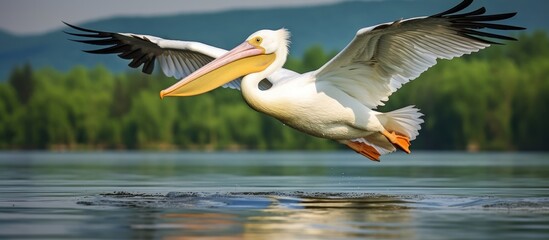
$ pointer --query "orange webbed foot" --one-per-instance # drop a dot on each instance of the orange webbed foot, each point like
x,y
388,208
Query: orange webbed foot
x,y
365,150
399,141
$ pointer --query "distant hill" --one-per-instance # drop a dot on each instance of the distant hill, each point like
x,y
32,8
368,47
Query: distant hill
x,y
5,37
331,26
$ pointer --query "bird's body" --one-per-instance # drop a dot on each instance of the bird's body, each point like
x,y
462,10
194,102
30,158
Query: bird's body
x,y
337,101
320,110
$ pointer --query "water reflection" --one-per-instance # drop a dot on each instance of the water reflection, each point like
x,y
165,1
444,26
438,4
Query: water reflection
x,y
200,225
265,215
333,217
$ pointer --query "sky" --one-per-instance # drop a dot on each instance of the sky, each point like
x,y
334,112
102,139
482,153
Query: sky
x,y
28,17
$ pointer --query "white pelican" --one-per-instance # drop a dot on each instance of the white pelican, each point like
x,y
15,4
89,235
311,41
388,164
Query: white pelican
x,y
336,101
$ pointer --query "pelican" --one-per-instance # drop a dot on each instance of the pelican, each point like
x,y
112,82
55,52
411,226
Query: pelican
x,y
336,101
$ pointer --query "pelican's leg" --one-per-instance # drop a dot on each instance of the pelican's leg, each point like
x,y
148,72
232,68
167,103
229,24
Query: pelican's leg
x,y
364,150
399,141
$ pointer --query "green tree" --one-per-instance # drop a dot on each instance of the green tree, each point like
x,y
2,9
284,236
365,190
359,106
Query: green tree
x,y
8,108
21,79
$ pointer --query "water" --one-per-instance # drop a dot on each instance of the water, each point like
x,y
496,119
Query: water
x,y
299,195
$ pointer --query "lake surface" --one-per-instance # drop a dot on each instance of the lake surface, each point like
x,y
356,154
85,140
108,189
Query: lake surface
x,y
295,195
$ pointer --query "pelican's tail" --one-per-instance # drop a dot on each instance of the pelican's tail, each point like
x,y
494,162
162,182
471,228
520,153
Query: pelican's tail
x,y
401,126
405,121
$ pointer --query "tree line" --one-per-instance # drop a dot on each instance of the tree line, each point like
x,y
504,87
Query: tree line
x,y
493,100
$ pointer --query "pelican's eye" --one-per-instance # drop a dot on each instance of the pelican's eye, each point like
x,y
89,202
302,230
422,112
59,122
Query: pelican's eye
x,y
257,41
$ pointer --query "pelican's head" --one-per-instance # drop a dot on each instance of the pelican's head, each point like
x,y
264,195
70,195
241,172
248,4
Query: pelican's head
x,y
272,41
262,53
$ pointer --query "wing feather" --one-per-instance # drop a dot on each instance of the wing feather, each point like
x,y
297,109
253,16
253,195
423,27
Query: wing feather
x,y
380,59
143,50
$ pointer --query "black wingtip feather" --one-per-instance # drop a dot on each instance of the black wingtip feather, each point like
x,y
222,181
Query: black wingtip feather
x,y
98,41
149,66
480,39
87,35
82,29
487,25
464,4
115,45
479,11
131,54
494,17
138,61
113,49
486,34
467,24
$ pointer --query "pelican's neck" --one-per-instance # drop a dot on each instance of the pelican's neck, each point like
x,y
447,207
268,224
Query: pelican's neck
x,y
256,98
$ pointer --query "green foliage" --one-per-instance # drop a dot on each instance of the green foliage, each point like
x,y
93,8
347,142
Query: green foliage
x,y
495,100
313,58
22,81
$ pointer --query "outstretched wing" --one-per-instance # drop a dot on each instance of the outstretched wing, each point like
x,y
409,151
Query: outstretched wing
x,y
380,59
177,58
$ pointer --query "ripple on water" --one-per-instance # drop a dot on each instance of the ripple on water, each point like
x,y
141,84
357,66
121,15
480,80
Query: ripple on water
x,y
297,200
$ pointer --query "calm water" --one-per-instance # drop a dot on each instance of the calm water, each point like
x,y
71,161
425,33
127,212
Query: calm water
x,y
140,195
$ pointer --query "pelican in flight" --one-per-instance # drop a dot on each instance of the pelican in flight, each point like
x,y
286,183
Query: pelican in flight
x,y
338,100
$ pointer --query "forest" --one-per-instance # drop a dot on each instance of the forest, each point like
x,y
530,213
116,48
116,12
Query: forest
x,y
495,100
